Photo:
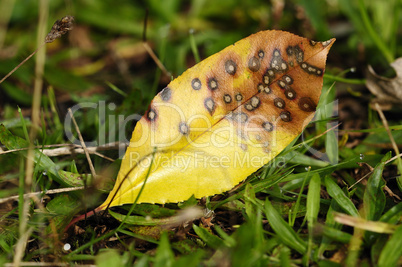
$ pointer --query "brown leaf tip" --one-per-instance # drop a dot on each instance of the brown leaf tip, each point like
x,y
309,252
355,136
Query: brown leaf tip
x,y
59,28
326,43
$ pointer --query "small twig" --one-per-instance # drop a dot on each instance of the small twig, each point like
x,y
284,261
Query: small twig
x,y
66,151
386,188
361,179
394,145
21,245
156,59
67,147
79,150
22,62
91,166
393,158
385,122
59,28
321,134
48,192
149,49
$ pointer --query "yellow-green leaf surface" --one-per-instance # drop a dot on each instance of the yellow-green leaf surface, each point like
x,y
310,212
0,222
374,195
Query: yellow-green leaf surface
x,y
223,119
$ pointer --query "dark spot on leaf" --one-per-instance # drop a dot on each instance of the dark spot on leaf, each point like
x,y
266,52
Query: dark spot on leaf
x,y
230,67
285,116
268,126
212,84
307,104
254,64
279,102
166,94
196,84
209,105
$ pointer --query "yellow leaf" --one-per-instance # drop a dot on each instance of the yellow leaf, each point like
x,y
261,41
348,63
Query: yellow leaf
x,y
222,119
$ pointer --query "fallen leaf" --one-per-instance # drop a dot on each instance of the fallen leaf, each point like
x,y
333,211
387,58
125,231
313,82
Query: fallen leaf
x,y
222,120
388,91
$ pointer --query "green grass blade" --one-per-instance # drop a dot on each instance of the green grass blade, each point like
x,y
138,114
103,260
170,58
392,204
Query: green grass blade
x,y
393,215
41,160
143,261
355,247
284,232
336,235
284,257
392,251
293,215
373,34
116,89
227,239
108,258
313,207
344,80
210,239
331,147
299,158
141,220
24,126
193,259
194,46
313,199
164,254
374,197
14,142
21,188
52,102
315,10
339,196
329,222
